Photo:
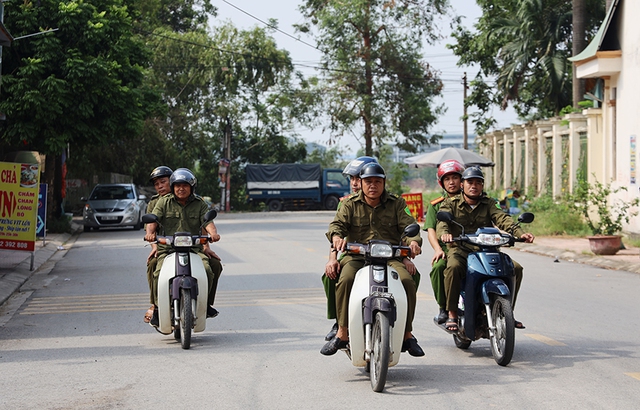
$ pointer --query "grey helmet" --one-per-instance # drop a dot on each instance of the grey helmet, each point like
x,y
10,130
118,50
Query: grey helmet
x,y
161,171
472,172
372,169
354,167
183,175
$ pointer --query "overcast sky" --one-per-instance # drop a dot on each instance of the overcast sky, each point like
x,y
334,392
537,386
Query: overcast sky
x,y
248,13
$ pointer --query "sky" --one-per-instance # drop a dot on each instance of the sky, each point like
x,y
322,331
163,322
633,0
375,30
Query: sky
x,y
250,13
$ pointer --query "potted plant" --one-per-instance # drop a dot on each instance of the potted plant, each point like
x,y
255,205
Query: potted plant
x,y
606,222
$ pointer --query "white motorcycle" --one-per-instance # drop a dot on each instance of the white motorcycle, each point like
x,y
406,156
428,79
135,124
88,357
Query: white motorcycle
x,y
378,305
182,285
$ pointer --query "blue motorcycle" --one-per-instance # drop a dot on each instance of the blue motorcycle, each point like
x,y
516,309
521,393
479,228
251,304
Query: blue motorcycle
x,y
485,309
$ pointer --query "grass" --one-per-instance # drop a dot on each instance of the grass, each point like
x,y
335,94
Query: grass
x,y
555,218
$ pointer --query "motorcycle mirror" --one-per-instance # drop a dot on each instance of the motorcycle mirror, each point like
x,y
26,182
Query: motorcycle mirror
x,y
149,218
210,216
526,218
411,230
444,216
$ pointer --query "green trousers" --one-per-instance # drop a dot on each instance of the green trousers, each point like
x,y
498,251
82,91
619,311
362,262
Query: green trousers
x,y
437,282
349,266
212,266
455,272
330,290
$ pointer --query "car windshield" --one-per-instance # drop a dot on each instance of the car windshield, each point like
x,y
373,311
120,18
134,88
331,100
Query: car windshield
x,y
109,192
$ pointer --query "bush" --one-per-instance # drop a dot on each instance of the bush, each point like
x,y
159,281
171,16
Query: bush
x,y
555,217
59,225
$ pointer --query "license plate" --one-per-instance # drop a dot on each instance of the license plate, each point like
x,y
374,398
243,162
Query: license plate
x,y
109,218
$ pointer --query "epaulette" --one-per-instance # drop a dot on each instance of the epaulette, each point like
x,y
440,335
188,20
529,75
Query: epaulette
x,y
394,196
348,196
155,196
437,201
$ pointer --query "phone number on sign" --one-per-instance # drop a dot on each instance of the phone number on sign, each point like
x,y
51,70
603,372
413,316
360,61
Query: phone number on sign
x,y
14,245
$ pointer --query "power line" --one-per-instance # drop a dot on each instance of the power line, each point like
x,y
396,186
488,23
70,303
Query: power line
x,y
271,26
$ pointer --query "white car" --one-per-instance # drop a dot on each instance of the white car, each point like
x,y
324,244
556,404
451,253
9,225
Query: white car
x,y
114,205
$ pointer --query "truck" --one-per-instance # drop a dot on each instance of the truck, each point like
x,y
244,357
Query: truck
x,y
295,186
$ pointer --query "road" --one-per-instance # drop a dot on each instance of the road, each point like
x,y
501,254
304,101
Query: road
x,y
74,338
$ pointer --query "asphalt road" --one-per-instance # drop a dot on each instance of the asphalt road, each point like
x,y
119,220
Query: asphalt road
x,y
74,337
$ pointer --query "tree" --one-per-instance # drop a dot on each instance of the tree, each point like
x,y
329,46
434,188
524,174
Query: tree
x,y
80,86
523,46
374,75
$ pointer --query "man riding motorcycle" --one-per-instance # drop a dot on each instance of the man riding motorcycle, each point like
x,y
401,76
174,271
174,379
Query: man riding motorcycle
x,y
183,211
450,179
373,213
471,209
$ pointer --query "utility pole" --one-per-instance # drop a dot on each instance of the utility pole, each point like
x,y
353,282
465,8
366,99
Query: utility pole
x,y
227,195
464,111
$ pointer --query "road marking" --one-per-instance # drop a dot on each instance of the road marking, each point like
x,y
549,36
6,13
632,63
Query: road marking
x,y
545,340
634,375
139,301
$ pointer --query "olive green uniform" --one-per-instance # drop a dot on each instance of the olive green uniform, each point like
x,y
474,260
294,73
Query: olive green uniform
x,y
437,269
484,214
360,222
153,261
176,217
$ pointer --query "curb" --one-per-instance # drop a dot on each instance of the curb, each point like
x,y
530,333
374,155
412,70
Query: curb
x,y
11,282
569,256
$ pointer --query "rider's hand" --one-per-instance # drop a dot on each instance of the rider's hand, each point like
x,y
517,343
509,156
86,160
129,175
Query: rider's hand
x,y
214,238
411,267
152,254
415,249
332,268
446,238
528,237
338,243
437,255
211,254
150,237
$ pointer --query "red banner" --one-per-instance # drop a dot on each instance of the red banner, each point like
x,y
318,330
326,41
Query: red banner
x,y
414,201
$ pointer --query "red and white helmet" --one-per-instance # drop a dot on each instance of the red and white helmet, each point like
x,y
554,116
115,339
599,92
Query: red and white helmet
x,y
450,166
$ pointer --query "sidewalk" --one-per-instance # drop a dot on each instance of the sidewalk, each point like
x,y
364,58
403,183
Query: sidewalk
x,y
14,265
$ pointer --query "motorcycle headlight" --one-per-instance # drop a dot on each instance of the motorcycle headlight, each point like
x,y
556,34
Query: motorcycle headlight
x,y
381,250
489,239
182,241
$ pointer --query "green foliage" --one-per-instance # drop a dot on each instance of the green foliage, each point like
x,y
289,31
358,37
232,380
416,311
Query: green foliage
x,y
374,75
524,44
329,158
59,225
610,213
555,217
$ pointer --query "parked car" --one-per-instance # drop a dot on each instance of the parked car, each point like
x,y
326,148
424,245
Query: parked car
x,y
114,205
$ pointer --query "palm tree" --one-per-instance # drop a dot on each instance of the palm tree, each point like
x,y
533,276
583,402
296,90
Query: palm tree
x,y
534,54
579,43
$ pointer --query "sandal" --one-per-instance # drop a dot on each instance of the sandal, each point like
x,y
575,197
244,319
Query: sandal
x,y
451,325
519,325
149,314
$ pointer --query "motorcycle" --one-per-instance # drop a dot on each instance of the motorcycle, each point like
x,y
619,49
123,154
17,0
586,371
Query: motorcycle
x,y
377,303
182,306
485,308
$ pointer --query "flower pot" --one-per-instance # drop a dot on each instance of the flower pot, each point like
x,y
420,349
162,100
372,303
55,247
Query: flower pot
x,y
605,244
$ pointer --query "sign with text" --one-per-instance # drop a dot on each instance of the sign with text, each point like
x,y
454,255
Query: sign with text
x,y
414,202
19,184
41,224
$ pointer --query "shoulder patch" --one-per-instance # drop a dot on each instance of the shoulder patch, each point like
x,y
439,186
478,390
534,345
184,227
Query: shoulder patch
x,y
437,201
348,196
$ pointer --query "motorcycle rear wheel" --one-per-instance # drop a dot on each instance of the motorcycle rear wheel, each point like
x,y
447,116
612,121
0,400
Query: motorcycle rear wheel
x,y
380,351
503,339
186,318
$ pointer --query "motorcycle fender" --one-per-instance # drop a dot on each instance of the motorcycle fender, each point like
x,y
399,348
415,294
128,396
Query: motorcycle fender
x,y
167,273
359,293
372,305
496,287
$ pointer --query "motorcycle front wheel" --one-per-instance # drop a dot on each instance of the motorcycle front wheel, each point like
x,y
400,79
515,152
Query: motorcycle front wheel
x,y
380,351
503,339
186,318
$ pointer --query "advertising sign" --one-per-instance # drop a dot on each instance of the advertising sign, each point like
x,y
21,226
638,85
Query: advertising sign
x,y
414,201
19,185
